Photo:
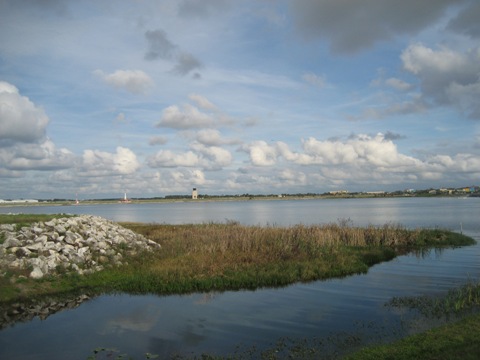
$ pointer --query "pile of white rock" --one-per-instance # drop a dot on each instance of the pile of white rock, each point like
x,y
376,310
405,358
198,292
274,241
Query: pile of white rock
x,y
82,244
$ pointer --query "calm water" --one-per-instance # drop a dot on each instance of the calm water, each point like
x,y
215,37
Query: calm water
x,y
218,322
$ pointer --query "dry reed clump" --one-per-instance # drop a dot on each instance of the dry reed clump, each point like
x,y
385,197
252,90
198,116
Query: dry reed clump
x,y
272,241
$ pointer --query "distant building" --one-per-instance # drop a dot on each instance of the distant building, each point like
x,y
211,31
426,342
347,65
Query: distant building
x,y
194,194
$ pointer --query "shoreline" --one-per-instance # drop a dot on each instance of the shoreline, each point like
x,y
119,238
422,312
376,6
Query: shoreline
x,y
69,202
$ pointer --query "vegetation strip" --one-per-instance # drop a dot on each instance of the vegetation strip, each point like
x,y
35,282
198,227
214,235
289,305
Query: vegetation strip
x,y
455,301
459,340
208,257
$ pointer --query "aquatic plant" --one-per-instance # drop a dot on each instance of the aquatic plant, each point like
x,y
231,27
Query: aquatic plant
x,y
461,299
459,340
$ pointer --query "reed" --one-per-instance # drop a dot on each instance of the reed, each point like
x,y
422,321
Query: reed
x,y
229,256
455,301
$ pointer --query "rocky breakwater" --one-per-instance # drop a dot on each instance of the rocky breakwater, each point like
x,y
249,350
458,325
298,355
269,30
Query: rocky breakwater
x,y
81,244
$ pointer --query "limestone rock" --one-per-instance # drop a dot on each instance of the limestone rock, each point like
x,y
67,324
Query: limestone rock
x,y
77,244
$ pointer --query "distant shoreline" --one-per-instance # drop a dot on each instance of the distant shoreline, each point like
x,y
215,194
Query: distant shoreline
x,y
69,202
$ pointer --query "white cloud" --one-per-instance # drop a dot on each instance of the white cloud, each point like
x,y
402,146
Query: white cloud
x,y
261,154
134,81
186,118
20,119
213,137
23,142
205,157
167,158
102,163
216,157
209,137
42,156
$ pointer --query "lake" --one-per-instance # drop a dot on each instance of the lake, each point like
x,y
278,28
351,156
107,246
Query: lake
x,y
339,313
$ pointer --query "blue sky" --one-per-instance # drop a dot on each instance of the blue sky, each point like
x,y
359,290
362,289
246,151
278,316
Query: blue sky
x,y
233,97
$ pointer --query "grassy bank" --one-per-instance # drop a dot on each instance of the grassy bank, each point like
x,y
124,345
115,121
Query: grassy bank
x,y
208,257
459,340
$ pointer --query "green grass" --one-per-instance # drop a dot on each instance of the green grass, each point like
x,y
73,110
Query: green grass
x,y
209,257
454,302
459,340
27,219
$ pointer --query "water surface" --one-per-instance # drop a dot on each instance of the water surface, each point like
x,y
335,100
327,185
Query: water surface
x,y
218,322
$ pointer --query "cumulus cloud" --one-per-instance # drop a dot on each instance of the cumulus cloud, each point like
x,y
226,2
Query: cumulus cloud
x,y
446,77
360,159
213,137
20,119
215,156
102,163
377,151
351,26
261,153
188,177
134,81
187,117
167,158
43,156
23,141
205,157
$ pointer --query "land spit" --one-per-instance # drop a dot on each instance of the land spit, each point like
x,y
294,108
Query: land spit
x,y
81,244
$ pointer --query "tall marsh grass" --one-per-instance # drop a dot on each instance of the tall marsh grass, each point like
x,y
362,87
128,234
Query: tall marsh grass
x,y
229,256
286,242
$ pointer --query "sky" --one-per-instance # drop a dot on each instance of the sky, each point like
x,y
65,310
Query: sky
x,y
154,98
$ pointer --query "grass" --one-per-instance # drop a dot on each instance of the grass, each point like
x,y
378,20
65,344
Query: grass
x,y
229,256
21,220
459,340
454,302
